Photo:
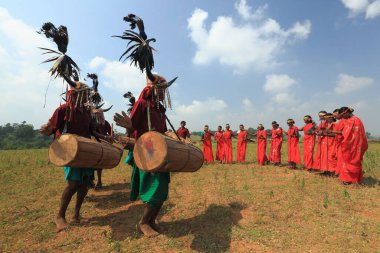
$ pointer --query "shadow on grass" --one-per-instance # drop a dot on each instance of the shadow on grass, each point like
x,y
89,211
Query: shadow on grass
x,y
113,200
212,229
370,182
123,224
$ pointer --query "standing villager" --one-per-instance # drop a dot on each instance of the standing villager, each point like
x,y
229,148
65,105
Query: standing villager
x,y
241,145
328,149
72,117
353,147
275,144
339,125
207,144
308,142
227,135
261,145
148,113
219,138
182,131
319,130
294,156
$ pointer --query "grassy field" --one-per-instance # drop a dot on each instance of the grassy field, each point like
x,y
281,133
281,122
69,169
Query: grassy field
x,y
221,208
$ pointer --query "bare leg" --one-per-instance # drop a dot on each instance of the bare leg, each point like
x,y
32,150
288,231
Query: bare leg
x,y
67,194
153,218
144,223
99,183
81,194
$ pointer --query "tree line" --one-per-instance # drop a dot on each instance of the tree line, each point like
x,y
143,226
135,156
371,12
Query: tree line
x,y
22,136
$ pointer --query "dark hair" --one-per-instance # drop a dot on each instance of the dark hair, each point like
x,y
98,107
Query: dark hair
x,y
206,125
220,126
183,122
322,112
274,122
336,110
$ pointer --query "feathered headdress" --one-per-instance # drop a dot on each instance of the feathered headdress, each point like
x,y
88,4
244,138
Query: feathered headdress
x,y
95,96
140,53
131,100
63,64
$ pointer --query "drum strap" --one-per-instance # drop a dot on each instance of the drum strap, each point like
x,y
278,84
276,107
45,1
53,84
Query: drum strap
x,y
148,112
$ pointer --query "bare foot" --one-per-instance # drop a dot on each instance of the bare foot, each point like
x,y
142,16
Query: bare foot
x,y
61,224
147,230
156,227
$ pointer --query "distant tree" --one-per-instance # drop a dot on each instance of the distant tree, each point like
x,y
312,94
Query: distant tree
x,y
24,131
368,135
251,130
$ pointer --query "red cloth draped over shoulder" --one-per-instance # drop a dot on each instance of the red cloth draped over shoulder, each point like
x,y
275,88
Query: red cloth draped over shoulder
x,y
219,146
207,147
308,146
227,134
241,146
293,146
275,145
353,147
139,114
261,147
79,123
338,141
183,132
317,157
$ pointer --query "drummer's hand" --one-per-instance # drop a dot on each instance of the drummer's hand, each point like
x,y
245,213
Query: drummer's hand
x,y
122,120
46,129
108,138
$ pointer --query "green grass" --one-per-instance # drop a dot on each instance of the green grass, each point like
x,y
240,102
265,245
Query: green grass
x,y
221,208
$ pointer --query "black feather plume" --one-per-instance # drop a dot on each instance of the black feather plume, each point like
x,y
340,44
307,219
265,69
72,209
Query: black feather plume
x,y
95,97
63,64
131,99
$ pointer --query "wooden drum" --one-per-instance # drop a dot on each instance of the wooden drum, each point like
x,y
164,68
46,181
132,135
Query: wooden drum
x,y
154,151
76,151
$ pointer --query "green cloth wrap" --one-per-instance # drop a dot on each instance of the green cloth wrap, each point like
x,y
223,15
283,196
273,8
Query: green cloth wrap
x,y
153,188
77,174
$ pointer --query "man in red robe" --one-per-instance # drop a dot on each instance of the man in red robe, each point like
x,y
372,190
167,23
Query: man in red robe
x,y
73,117
227,135
328,149
183,132
207,145
275,144
353,147
338,140
219,144
308,142
241,144
321,127
294,156
261,145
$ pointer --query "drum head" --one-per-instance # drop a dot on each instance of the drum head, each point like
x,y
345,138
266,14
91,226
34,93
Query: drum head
x,y
150,151
58,150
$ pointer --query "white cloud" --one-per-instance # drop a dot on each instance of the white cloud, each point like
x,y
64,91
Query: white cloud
x,y
242,46
278,83
373,10
245,11
347,83
24,80
119,76
356,7
247,103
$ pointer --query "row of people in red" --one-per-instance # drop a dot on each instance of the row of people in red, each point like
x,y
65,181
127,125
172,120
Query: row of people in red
x,y
340,145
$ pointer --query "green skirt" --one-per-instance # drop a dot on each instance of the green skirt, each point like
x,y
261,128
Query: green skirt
x,y
77,174
152,188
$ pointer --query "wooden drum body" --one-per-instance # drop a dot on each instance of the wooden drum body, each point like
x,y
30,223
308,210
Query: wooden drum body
x,y
76,151
154,151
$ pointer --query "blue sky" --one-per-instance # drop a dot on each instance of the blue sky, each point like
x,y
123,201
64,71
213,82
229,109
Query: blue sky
x,y
238,61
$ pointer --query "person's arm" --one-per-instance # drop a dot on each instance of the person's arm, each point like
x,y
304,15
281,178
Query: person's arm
x,y
55,122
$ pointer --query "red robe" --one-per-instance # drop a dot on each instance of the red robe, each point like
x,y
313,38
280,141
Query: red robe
x,y
275,145
80,123
261,147
331,150
227,134
219,146
293,145
317,157
183,132
338,140
308,145
241,146
207,147
353,147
